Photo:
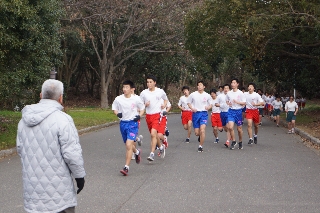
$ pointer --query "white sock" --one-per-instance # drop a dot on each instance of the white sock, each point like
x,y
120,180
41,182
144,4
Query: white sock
x,y
151,153
161,147
250,138
200,146
255,136
137,152
126,166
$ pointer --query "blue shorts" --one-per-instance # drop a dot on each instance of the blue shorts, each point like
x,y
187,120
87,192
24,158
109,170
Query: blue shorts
x,y
276,112
199,118
235,115
244,109
224,118
129,130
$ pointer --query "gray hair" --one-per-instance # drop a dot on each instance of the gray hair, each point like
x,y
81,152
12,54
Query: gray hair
x,y
52,89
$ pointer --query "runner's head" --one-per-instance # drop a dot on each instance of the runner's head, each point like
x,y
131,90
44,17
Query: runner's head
x,y
291,98
213,93
226,88
128,87
251,87
259,91
151,81
234,83
201,86
185,90
220,88
243,89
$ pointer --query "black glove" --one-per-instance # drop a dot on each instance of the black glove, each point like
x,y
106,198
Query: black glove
x,y
80,184
164,113
137,118
119,115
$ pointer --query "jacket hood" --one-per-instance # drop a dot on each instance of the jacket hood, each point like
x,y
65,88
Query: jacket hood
x,y
34,114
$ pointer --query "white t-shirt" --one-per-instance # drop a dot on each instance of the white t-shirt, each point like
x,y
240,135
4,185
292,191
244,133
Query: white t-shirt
x,y
214,108
291,106
239,96
155,97
303,100
128,106
269,99
221,99
168,105
276,104
183,103
199,101
219,93
252,98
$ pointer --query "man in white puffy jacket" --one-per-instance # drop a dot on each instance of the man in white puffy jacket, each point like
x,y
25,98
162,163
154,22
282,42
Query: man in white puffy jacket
x,y
50,152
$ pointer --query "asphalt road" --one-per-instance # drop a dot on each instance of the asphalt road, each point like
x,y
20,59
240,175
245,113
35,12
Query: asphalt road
x,y
279,174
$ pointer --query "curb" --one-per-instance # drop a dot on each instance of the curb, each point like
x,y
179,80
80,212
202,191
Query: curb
x,y
302,133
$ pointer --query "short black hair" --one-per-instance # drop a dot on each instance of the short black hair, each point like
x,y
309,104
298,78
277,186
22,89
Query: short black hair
x,y
185,87
259,90
242,88
201,81
226,85
220,86
235,79
213,91
130,83
154,78
253,84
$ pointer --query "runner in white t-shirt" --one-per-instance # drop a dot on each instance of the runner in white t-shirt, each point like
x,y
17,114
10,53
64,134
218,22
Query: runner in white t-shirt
x,y
253,101
215,115
220,91
126,107
277,108
152,98
186,112
291,108
236,101
224,108
199,103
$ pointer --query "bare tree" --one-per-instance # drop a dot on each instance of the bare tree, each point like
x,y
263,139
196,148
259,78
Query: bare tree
x,y
118,29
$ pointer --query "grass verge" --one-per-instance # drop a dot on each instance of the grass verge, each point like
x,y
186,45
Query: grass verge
x,y
83,118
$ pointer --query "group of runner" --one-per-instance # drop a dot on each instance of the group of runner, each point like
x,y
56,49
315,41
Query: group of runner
x,y
227,106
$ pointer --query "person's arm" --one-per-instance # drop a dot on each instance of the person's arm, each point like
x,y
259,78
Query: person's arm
x,y
71,151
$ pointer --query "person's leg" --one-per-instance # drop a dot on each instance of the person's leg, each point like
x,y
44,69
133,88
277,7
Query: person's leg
x,y
231,131
129,148
202,134
293,123
278,120
189,128
240,133
249,128
69,210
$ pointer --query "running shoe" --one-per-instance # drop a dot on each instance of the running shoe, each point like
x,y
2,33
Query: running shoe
x,y
165,142
240,145
277,125
250,141
227,144
260,123
138,157
199,138
124,171
217,140
187,140
151,157
200,149
139,140
255,140
233,144
167,132
162,152
292,131
133,156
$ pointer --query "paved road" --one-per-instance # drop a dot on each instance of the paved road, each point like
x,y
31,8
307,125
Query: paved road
x,y
279,174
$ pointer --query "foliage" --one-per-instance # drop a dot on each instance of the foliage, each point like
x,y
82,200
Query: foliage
x,y
275,40
29,47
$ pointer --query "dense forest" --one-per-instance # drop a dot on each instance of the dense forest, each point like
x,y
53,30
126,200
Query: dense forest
x,y
94,45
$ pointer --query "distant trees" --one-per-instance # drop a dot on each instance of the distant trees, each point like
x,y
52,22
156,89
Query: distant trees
x,y
276,41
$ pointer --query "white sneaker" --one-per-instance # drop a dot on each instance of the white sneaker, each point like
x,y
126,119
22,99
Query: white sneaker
x,y
151,157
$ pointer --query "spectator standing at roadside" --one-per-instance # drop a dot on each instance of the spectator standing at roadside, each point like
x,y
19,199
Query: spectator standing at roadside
x,y
50,152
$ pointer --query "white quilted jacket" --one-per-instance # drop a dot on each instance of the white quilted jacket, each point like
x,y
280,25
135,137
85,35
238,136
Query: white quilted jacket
x,y
48,144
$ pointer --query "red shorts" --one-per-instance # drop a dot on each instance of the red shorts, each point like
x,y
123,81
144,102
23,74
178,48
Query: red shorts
x,y
153,121
303,104
270,107
299,104
216,120
186,116
253,114
162,125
